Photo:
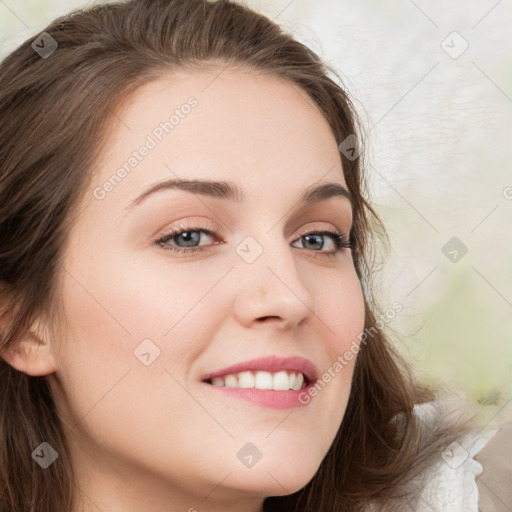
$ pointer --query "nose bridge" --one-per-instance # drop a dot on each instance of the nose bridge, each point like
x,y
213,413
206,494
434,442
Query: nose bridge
x,y
270,282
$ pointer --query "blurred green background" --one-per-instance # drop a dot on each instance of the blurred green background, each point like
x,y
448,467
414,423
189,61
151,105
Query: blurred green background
x,y
432,82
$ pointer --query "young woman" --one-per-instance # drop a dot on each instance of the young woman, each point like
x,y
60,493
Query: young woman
x,y
187,318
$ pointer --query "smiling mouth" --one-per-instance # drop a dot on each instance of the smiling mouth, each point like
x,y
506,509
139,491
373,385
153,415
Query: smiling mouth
x,y
283,380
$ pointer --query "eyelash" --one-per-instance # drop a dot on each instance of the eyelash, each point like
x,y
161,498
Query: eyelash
x,y
340,240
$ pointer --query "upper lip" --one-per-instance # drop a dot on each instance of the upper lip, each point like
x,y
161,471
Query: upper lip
x,y
270,364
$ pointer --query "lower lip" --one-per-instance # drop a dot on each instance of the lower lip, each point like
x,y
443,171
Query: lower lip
x,y
269,397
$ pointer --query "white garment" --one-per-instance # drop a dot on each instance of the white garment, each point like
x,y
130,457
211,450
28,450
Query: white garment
x,y
452,486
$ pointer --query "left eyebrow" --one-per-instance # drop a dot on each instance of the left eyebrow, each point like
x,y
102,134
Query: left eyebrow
x,y
230,191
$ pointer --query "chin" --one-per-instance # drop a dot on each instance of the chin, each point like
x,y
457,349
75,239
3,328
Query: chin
x,y
278,478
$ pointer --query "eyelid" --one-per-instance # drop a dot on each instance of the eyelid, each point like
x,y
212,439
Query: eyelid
x,y
190,224
317,227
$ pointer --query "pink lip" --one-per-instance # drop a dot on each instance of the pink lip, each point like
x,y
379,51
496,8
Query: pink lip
x,y
271,364
267,397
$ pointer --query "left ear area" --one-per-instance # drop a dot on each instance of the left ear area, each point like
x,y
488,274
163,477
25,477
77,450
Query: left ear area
x,y
31,355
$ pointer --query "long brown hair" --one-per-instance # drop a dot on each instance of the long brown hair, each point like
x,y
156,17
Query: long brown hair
x,y
56,109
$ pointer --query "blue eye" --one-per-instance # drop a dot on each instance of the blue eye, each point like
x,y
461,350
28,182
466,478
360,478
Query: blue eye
x,y
191,236
340,241
188,236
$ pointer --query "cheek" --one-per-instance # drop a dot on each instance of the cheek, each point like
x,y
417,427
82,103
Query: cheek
x,y
105,389
342,308
157,297
128,312
144,297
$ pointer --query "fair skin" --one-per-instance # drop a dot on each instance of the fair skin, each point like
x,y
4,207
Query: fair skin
x,y
155,437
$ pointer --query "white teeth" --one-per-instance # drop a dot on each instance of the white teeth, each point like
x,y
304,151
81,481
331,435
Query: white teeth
x,y
245,380
298,381
230,381
279,381
263,380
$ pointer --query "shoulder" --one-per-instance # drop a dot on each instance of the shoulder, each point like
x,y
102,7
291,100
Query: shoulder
x,y
495,481
450,483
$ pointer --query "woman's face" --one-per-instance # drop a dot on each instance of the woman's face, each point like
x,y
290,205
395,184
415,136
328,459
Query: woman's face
x,y
146,323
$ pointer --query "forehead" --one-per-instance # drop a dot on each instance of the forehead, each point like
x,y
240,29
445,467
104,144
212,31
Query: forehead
x,y
221,123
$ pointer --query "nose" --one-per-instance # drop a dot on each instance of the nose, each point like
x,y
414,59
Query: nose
x,y
271,290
